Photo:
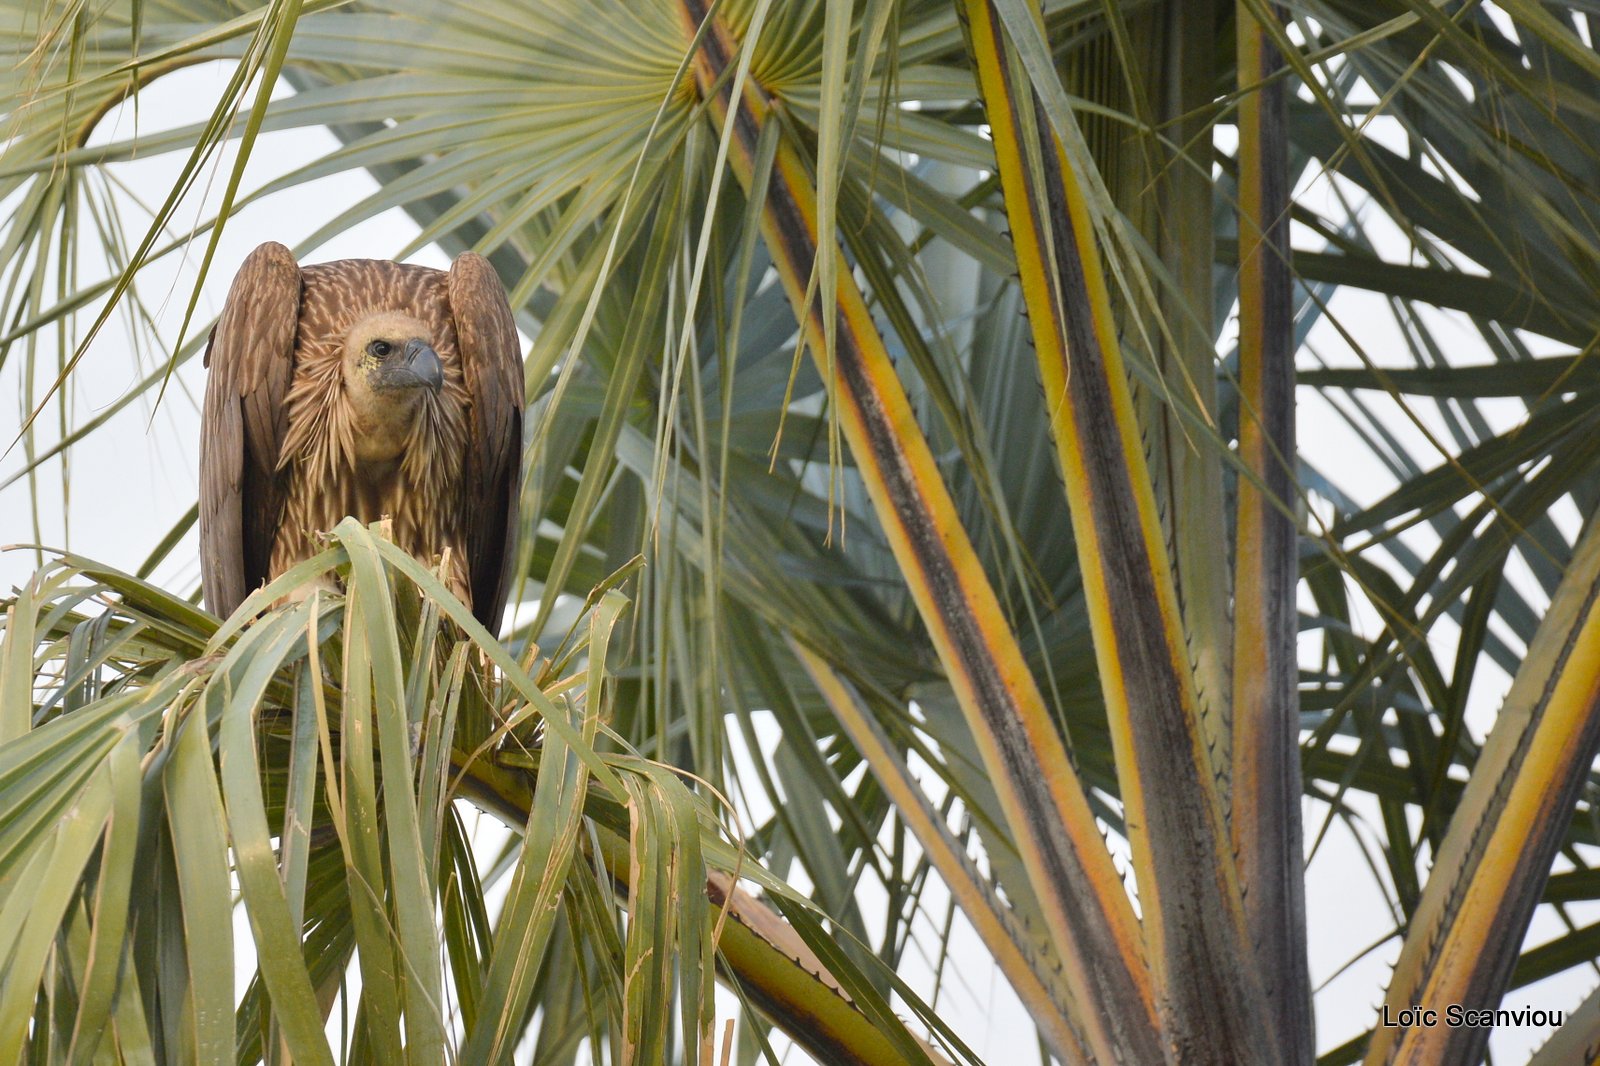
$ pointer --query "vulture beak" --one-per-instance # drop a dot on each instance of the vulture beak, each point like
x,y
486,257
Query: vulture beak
x,y
420,366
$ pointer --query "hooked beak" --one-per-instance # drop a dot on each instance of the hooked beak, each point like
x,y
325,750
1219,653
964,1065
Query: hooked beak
x,y
420,366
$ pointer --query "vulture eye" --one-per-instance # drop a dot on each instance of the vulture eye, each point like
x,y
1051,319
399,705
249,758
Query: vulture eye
x,y
379,348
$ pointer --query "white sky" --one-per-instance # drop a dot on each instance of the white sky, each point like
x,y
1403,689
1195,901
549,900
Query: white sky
x,y
142,469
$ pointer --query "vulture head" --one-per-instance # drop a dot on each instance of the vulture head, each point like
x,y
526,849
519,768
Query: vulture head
x,y
390,353
389,368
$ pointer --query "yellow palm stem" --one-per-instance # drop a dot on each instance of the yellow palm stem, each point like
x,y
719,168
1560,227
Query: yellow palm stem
x,y
1189,895
1070,870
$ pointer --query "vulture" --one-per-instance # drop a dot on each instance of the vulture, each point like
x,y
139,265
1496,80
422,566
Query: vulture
x,y
363,388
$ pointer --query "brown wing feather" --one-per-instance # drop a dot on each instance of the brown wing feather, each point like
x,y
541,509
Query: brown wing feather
x,y
250,361
491,359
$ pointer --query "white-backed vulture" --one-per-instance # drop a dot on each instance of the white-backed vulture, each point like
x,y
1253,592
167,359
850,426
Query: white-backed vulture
x,y
364,388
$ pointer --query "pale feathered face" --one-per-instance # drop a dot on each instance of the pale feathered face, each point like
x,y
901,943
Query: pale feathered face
x,y
389,368
390,356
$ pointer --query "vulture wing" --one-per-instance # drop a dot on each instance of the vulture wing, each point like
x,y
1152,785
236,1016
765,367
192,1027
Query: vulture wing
x,y
250,361
491,359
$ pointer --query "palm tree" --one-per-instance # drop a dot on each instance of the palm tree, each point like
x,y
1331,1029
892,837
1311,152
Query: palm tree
x,y
834,618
